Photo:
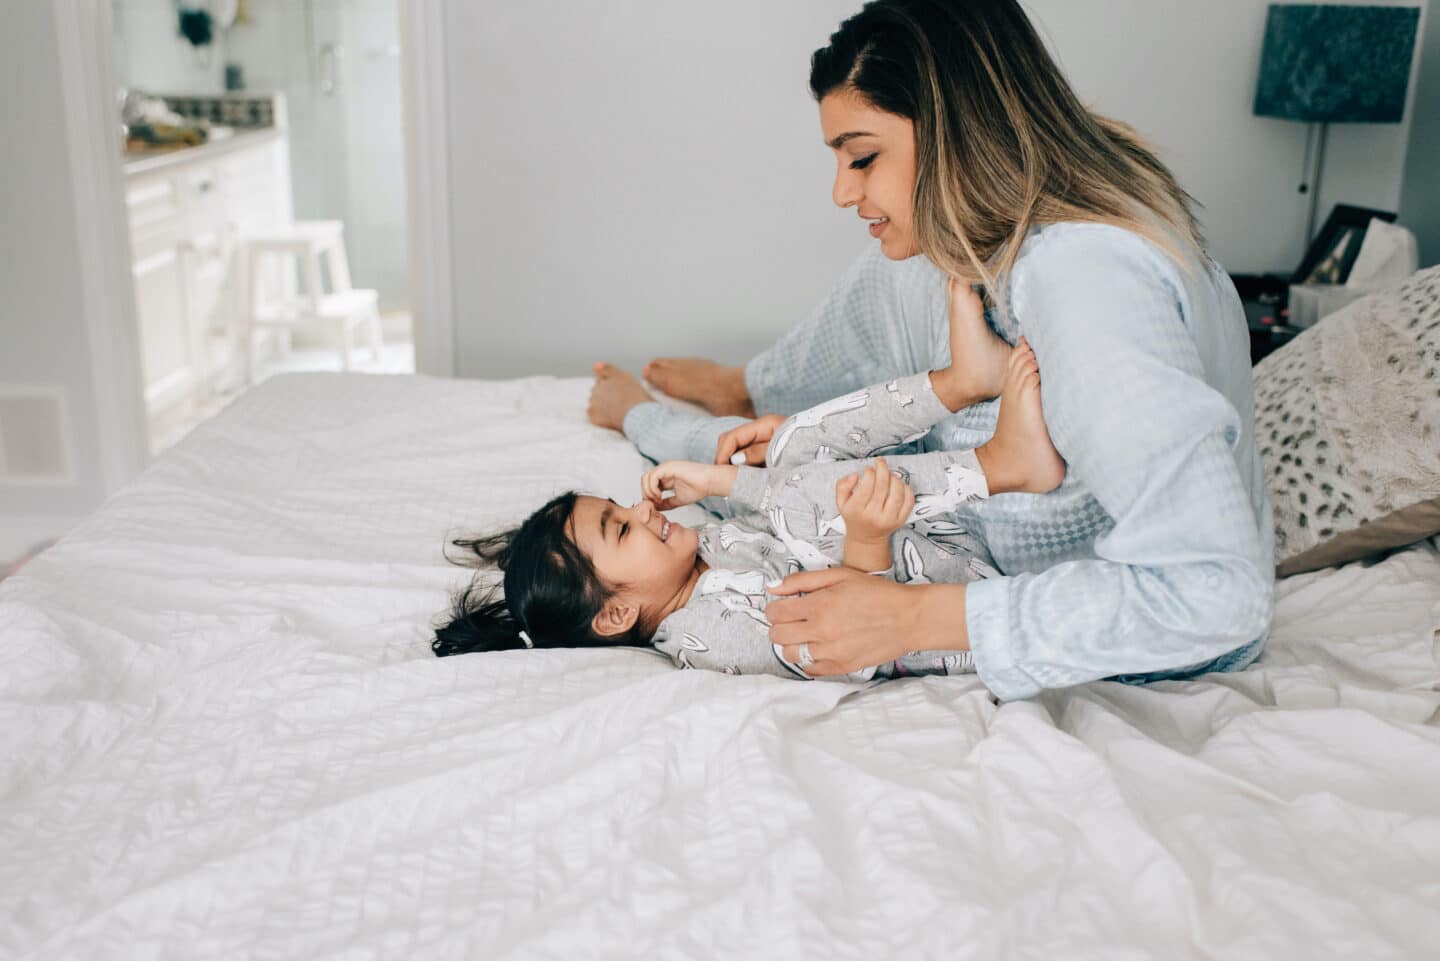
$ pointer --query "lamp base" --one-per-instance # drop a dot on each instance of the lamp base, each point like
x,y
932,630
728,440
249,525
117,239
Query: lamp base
x,y
1316,172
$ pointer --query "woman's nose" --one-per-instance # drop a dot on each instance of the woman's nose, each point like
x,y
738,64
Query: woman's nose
x,y
644,512
846,192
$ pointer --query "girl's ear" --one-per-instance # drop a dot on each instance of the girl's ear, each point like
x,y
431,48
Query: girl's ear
x,y
615,618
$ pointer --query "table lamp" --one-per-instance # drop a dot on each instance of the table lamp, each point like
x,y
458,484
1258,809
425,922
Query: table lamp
x,y
1334,64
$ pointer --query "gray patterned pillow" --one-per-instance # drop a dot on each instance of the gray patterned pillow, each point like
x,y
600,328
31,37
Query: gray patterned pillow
x,y
1348,423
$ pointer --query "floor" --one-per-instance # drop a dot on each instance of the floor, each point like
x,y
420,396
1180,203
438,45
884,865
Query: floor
x,y
397,356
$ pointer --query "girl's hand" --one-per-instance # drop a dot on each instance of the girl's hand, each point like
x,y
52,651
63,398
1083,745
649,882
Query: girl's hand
x,y
752,440
875,503
687,481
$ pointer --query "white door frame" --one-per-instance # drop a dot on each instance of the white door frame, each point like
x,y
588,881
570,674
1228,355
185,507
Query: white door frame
x,y
83,31
427,180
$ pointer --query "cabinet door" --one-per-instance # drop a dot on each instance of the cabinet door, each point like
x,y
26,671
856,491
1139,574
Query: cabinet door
x,y
166,356
156,211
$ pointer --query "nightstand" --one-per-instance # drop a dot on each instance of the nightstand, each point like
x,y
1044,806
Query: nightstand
x,y
1265,312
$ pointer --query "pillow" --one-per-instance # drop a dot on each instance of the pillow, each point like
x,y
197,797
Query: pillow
x,y
1348,425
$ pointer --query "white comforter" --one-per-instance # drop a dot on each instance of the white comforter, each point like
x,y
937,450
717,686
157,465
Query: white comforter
x,y
225,736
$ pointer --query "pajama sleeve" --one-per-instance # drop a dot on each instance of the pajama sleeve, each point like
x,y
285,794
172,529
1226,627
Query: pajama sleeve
x,y
724,632
1182,576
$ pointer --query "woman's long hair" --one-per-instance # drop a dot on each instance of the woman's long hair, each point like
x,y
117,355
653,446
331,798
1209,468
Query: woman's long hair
x,y
1001,141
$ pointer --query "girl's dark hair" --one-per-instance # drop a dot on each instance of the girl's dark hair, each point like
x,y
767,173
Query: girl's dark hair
x,y
1001,140
551,591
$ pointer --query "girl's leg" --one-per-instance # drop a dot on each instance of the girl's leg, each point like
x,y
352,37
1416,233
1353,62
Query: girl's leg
x,y
859,424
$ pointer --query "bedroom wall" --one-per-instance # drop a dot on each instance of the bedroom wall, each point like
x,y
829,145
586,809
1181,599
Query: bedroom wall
x,y
649,182
43,335
1420,190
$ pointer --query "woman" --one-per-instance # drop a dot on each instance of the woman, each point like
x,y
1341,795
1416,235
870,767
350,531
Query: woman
x,y
957,137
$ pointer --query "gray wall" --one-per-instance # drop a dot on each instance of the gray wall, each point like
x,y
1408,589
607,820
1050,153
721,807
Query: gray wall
x,y
43,336
648,178
1420,191
635,178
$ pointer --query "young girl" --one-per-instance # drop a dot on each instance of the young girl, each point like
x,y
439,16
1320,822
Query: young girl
x,y
586,572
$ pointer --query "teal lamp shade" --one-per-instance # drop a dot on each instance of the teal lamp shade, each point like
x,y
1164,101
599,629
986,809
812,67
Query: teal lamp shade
x,y
1336,64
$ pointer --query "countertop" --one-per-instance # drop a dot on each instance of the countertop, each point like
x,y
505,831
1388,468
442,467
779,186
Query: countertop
x,y
151,161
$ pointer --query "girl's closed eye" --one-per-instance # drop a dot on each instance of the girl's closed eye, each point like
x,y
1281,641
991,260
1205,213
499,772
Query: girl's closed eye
x,y
863,162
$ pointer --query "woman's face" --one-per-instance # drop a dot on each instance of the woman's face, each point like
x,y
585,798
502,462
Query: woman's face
x,y
875,167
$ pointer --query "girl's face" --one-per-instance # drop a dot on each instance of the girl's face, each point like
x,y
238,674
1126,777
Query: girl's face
x,y
875,172
647,559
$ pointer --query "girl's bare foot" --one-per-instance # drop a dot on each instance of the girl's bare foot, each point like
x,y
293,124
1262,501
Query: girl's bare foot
x,y
614,393
720,390
978,357
1020,457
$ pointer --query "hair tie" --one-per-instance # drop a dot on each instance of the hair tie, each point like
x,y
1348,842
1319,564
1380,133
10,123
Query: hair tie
x,y
526,638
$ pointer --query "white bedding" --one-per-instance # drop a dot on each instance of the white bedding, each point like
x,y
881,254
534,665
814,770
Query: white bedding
x,y
226,737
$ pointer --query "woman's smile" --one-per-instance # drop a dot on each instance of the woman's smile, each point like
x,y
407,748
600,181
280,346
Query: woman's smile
x,y
878,225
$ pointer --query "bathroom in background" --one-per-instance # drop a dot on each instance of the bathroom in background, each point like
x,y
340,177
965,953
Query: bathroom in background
x,y
302,167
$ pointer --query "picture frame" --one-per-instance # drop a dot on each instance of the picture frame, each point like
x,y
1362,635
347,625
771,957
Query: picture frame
x,y
1333,251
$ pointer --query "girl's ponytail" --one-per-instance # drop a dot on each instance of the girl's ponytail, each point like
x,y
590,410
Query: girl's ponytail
x,y
480,620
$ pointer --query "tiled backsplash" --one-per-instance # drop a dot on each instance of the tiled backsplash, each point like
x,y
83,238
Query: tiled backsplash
x,y
248,111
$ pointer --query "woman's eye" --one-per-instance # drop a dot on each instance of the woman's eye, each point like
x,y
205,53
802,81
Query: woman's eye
x,y
863,162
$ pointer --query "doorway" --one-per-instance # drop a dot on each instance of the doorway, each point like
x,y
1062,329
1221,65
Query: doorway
x,y
265,195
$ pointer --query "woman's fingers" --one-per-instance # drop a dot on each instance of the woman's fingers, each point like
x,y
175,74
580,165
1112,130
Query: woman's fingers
x,y
804,583
751,439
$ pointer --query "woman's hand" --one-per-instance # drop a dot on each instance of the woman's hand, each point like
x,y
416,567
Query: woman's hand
x,y
687,481
752,440
853,620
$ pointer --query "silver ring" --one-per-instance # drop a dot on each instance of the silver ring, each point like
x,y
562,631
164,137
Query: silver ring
x,y
805,659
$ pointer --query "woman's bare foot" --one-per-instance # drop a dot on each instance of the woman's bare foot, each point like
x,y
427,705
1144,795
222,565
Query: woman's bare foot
x,y
614,393
978,358
1020,457
720,390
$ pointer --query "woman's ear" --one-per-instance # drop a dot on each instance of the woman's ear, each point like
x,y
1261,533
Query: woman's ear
x,y
615,618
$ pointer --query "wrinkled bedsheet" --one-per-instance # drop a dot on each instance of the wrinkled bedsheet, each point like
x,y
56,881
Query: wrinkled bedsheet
x,y
226,737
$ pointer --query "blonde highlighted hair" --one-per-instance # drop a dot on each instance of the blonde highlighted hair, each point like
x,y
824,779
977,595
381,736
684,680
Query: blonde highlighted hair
x,y
1001,141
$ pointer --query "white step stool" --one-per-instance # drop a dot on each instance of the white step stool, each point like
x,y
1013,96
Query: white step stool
x,y
344,307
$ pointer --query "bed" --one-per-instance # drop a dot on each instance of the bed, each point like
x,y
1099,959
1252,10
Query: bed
x,y
226,737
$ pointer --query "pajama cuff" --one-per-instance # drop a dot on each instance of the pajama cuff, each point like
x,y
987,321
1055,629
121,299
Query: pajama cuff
x,y
920,387
641,423
987,618
751,489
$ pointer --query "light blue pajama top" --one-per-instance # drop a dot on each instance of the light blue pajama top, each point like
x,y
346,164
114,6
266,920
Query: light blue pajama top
x,y
1155,556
